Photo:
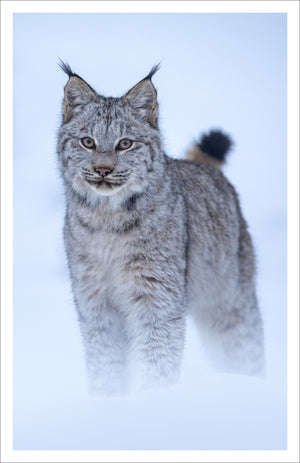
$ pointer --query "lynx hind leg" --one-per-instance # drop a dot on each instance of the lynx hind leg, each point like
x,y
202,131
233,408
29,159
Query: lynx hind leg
x,y
234,328
233,338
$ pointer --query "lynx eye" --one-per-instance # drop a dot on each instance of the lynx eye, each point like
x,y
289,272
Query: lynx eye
x,y
124,144
88,142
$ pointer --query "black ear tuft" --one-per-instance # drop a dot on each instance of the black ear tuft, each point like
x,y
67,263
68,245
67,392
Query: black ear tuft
x,y
215,144
66,68
153,70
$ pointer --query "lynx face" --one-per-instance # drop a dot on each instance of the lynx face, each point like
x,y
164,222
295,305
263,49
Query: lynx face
x,y
108,144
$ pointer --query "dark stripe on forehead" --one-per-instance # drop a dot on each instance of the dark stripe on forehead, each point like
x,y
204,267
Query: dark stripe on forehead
x,y
108,120
107,112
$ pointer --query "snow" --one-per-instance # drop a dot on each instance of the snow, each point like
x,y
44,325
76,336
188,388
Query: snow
x,y
226,71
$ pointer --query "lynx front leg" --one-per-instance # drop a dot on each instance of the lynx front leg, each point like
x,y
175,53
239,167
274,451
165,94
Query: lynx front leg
x,y
156,326
105,351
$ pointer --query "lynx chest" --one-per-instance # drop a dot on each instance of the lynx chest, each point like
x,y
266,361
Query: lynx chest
x,y
99,254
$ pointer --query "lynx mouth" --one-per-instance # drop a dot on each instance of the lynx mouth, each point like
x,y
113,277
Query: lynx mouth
x,y
103,183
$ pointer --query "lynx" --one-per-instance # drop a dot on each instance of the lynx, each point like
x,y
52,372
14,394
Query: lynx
x,y
151,239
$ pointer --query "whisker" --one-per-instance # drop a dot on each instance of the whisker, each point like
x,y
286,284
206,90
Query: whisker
x,y
119,176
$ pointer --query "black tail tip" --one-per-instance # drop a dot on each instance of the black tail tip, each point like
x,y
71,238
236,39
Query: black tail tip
x,y
216,144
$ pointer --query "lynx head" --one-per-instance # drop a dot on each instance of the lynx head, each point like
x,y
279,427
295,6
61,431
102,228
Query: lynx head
x,y
108,144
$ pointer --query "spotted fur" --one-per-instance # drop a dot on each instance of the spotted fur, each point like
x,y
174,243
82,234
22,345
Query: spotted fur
x,y
154,240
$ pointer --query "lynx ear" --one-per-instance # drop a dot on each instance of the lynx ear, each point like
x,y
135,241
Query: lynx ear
x,y
77,92
143,98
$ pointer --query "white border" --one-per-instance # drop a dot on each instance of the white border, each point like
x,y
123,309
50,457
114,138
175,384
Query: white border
x,y
292,9
156,6
293,230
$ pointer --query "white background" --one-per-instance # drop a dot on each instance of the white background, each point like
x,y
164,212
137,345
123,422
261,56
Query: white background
x,y
226,71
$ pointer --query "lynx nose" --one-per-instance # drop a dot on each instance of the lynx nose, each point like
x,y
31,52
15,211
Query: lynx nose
x,y
103,171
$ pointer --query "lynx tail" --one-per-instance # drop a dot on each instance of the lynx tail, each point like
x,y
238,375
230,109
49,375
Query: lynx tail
x,y
212,148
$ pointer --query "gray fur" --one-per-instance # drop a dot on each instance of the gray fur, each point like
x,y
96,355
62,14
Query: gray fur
x,y
163,238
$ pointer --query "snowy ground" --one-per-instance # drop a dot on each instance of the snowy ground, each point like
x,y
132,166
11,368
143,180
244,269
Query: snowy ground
x,y
223,71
